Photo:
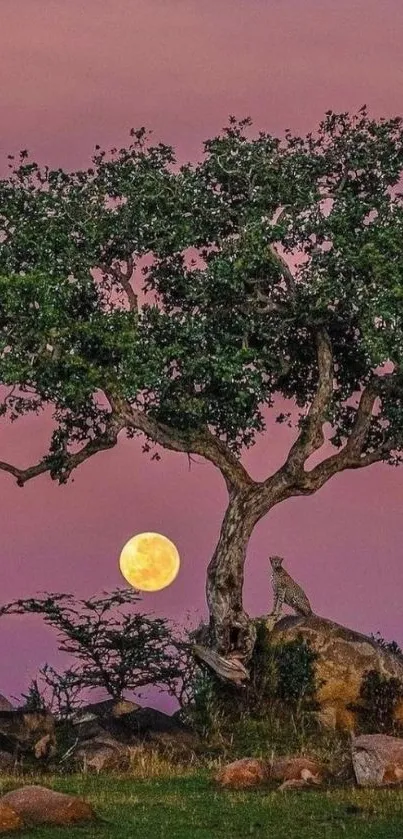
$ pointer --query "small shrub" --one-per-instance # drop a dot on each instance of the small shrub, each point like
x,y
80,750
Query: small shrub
x,y
390,646
296,676
34,699
380,696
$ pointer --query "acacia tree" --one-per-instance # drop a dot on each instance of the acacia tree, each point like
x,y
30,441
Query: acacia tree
x,y
112,647
272,267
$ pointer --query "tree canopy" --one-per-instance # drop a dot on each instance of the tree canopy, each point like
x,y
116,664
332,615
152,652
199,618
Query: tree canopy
x,y
178,301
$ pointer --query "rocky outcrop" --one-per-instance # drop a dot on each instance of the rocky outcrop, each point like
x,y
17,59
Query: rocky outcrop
x,y
114,708
40,805
92,721
377,760
344,657
107,735
134,726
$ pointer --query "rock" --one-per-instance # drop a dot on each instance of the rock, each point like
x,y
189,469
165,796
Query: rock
x,y
88,729
9,819
147,720
243,774
377,759
103,754
94,720
107,708
45,748
39,805
344,657
21,730
293,771
296,771
5,705
143,724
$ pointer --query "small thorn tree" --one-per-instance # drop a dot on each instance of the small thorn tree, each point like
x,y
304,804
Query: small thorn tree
x,y
271,268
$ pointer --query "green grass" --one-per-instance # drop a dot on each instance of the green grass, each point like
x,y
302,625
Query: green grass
x,y
188,806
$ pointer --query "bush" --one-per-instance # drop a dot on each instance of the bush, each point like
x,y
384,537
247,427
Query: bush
x,y
271,706
390,646
112,645
379,695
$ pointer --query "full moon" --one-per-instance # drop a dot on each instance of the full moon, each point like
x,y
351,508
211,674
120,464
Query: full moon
x,y
149,562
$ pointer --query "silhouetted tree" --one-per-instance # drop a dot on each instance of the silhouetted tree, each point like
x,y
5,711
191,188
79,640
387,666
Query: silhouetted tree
x,y
113,647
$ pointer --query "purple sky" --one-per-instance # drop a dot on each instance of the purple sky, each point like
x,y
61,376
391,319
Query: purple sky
x,y
76,74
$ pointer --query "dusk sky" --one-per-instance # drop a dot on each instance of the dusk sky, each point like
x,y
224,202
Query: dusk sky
x,y
74,74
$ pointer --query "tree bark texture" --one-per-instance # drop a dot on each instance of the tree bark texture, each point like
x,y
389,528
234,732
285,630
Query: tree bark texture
x,y
231,630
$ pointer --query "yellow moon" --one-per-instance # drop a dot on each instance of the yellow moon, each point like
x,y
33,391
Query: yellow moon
x,y
149,562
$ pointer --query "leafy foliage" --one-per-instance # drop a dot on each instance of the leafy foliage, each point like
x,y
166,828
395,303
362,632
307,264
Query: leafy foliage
x,y
34,699
380,695
391,646
113,647
280,691
244,256
295,666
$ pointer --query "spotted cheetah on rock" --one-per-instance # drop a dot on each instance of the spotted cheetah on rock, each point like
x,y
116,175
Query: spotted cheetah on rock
x,y
286,590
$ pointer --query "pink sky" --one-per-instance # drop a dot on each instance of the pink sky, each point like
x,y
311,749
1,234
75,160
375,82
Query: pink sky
x,y
76,74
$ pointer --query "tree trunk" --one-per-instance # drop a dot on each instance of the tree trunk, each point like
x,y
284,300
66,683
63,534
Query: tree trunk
x,y
230,628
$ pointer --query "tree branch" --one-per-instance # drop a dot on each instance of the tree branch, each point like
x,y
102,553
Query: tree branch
x,y
104,441
352,455
292,479
311,437
123,279
201,442
285,270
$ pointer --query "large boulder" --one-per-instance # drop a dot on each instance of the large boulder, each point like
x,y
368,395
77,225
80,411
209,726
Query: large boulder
x,y
103,710
40,805
92,721
344,657
142,724
377,760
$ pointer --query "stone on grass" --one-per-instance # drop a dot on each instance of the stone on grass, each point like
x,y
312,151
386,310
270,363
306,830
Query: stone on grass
x,y
293,772
243,774
40,805
377,760
9,819
296,771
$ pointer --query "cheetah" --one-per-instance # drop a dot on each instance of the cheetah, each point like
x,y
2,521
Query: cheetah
x,y
286,590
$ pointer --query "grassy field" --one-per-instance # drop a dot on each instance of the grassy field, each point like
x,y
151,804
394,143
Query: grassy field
x,y
190,807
